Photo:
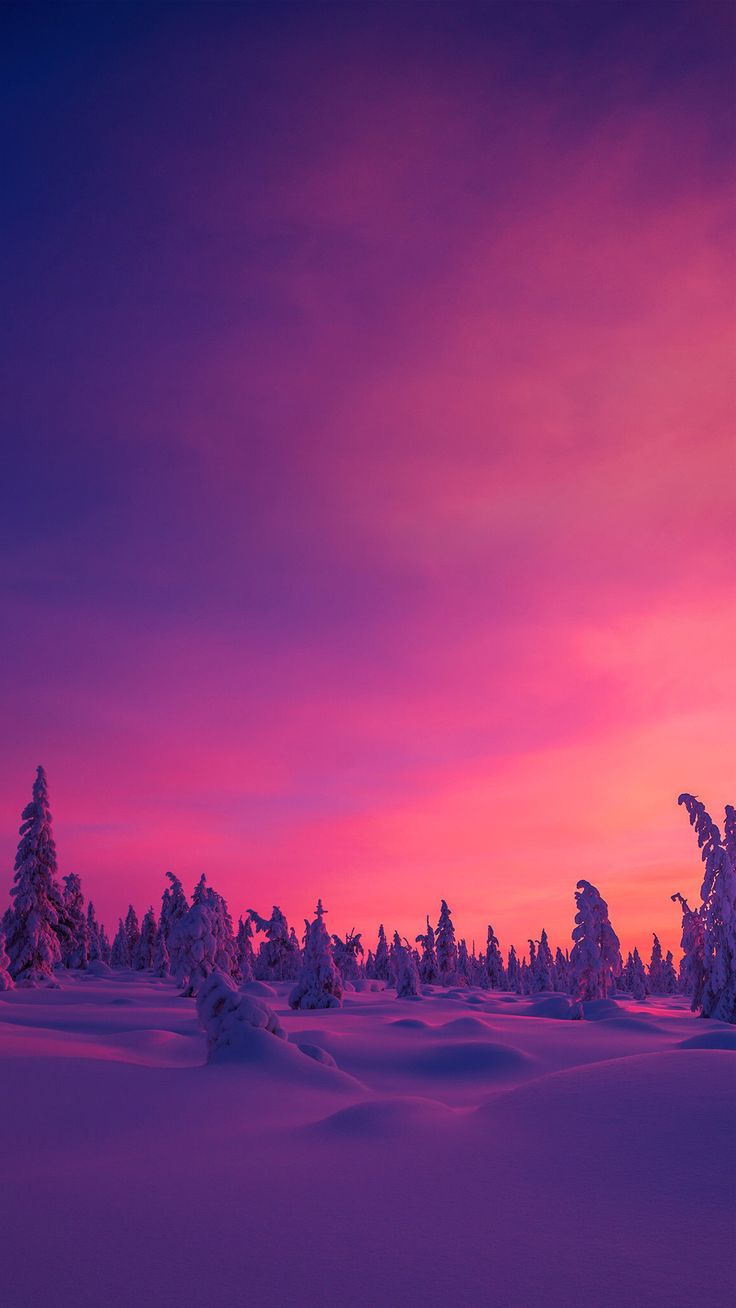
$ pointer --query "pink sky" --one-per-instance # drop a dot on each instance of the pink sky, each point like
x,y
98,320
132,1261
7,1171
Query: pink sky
x,y
370,527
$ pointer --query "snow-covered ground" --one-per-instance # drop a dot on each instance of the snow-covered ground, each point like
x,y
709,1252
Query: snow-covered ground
x,y
465,1148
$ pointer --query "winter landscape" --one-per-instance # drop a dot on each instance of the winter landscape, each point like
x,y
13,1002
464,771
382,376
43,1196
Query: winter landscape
x,y
411,1122
368,595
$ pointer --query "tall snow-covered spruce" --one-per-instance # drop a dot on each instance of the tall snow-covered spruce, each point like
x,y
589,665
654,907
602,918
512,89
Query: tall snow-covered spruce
x,y
319,984
595,957
717,912
31,921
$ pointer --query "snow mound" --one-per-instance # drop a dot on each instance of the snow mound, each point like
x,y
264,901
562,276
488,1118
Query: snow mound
x,y
471,1026
710,1040
599,1010
230,1019
472,1058
318,1054
386,1118
555,1006
259,988
410,1024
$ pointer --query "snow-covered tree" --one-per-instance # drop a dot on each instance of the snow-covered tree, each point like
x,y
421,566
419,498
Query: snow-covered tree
x,y
76,953
244,944
718,914
6,980
543,967
319,984
446,947
494,968
381,961
132,933
692,963
462,976
146,946
93,935
595,957
345,953
228,1017
194,943
161,959
30,923
656,968
429,971
562,969
404,967
174,905
514,972
639,980
120,952
669,975
278,957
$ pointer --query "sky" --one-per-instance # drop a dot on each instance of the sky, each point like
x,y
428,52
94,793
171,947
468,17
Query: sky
x,y
367,453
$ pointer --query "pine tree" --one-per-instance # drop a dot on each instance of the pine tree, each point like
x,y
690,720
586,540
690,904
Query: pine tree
x,y
514,972
30,923
669,975
174,905
692,963
120,952
718,913
656,969
404,966
494,967
429,971
562,969
76,953
244,942
446,947
278,958
93,935
6,980
346,954
639,980
596,956
381,964
543,968
319,984
161,960
132,933
146,946
194,942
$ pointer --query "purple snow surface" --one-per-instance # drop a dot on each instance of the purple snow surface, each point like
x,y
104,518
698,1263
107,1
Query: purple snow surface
x,y
465,1148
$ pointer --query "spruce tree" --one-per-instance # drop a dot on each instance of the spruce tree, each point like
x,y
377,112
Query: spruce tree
x,y
692,963
428,967
595,958
244,943
120,952
404,966
76,953
381,965
31,921
319,984
718,913
146,947
446,947
494,967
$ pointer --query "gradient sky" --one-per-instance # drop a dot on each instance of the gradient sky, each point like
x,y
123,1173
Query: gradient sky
x,y
368,465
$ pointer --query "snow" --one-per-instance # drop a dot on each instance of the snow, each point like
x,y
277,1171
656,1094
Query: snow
x,y
484,1148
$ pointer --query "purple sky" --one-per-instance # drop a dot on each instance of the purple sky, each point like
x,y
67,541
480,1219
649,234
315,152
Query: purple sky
x,y
367,452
